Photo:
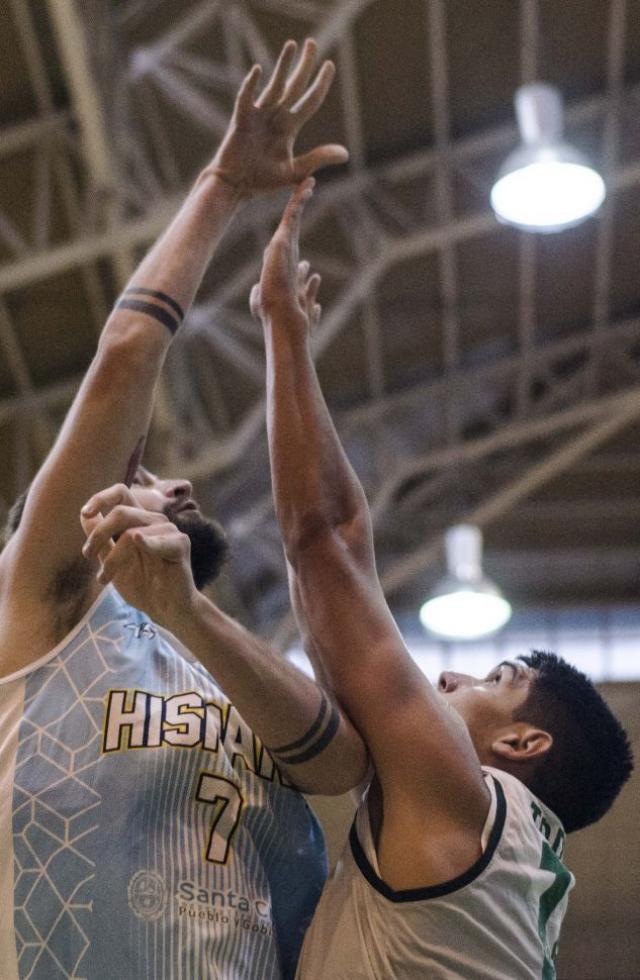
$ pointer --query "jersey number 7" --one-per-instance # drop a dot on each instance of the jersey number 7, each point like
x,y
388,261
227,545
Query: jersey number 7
x,y
226,799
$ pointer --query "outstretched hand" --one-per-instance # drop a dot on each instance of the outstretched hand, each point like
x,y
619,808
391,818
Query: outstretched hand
x,y
257,152
142,552
286,287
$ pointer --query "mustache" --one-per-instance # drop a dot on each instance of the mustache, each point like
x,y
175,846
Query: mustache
x,y
209,544
189,506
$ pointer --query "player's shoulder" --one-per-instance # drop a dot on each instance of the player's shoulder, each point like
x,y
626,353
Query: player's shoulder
x,y
526,817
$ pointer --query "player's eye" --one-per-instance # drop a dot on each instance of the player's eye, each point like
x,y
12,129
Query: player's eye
x,y
495,677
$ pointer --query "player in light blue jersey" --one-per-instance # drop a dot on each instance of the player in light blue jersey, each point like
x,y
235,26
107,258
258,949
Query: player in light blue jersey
x,y
149,824
454,864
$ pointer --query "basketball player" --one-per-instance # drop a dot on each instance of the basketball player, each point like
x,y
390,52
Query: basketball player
x,y
145,830
453,866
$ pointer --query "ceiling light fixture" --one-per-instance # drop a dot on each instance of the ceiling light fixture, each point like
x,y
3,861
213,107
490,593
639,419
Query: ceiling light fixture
x,y
545,184
465,605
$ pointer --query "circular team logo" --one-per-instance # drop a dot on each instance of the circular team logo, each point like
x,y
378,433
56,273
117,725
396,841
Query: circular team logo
x,y
147,893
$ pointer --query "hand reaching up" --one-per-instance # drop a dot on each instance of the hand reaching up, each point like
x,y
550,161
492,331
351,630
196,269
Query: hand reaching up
x,y
286,287
258,151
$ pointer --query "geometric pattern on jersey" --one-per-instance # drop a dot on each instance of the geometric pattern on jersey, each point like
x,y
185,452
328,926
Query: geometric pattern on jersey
x,y
500,920
54,813
113,876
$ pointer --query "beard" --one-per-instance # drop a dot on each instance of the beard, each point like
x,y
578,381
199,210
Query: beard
x,y
209,544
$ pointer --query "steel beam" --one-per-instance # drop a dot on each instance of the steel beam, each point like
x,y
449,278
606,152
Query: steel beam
x,y
505,498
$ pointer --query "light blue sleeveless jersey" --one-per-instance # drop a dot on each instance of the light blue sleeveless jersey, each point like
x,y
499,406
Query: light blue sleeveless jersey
x,y
145,831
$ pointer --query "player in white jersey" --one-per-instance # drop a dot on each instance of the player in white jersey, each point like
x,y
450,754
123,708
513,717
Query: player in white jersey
x,y
145,830
454,864
498,920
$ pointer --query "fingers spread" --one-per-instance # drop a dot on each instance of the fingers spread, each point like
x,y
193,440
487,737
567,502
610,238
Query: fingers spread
x,y
312,99
246,95
302,74
273,92
323,156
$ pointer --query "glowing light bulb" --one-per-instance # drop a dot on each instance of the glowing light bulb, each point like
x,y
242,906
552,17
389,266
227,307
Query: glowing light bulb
x,y
465,605
545,185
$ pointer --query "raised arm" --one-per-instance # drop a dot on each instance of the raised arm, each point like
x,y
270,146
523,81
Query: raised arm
x,y
421,749
313,743
104,432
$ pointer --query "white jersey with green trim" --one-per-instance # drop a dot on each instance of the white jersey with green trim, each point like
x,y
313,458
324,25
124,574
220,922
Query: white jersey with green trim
x,y
145,832
498,921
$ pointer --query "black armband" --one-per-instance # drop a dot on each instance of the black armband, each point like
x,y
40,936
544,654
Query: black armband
x,y
169,320
313,742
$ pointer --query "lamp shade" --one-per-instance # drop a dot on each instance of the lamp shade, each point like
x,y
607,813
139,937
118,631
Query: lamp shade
x,y
545,185
465,604
469,613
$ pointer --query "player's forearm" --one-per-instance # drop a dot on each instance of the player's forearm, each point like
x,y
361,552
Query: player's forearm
x,y
300,725
315,488
325,523
160,292
103,434
140,329
309,645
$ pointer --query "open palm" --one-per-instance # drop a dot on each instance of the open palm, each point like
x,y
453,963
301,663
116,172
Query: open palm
x,y
258,151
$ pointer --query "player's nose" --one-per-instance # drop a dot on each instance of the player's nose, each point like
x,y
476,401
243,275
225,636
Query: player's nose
x,y
450,681
178,489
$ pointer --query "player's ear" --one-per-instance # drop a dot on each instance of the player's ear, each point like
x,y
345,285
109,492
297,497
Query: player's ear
x,y
522,742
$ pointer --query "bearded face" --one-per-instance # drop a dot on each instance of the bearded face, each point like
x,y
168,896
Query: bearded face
x,y
209,545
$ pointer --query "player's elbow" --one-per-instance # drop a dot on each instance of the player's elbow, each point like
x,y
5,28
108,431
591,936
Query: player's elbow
x,y
122,358
350,770
314,533
305,532
355,774
129,335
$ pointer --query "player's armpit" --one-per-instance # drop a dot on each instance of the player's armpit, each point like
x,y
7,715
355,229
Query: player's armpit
x,y
417,850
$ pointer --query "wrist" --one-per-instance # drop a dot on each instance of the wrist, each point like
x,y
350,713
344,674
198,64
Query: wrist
x,y
181,616
283,318
215,183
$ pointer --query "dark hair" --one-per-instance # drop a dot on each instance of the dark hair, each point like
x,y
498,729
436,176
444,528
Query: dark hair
x,y
14,517
590,759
